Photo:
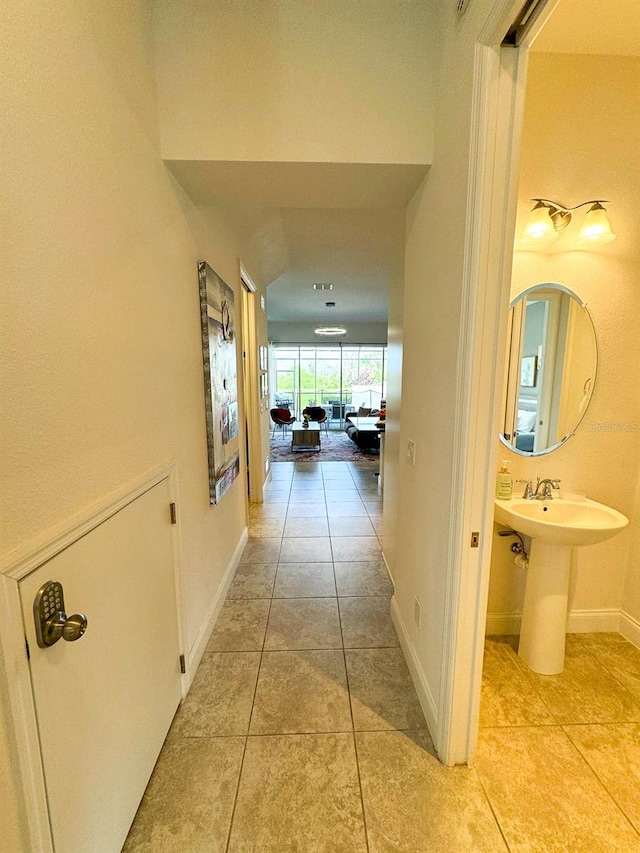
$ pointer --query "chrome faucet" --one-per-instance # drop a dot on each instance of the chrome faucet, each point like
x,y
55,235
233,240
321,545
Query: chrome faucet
x,y
528,491
546,486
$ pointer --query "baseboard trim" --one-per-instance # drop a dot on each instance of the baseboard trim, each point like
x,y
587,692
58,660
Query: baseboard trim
x,y
425,697
206,629
593,621
578,622
386,565
630,628
503,623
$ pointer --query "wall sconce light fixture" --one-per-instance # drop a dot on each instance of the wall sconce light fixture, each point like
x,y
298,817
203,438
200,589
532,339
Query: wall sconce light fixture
x,y
548,219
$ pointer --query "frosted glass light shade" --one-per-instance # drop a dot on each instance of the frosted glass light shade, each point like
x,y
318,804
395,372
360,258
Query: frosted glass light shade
x,y
539,229
330,331
596,228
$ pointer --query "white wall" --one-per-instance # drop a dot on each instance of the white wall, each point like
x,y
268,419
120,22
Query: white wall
x,y
436,233
289,81
580,139
101,362
393,418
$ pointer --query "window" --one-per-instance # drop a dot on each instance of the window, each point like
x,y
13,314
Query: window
x,y
338,378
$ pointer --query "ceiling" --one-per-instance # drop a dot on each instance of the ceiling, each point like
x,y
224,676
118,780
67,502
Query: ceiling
x,y
352,249
298,185
307,223
342,223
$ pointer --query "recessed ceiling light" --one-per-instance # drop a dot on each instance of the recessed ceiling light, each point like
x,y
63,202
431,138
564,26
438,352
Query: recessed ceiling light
x,y
323,287
330,330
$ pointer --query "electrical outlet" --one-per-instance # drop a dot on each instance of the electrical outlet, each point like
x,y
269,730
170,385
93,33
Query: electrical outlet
x,y
417,611
411,452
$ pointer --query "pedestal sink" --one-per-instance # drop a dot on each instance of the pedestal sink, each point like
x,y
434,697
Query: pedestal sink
x,y
555,527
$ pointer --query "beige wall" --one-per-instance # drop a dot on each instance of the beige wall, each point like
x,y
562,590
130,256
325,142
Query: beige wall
x,y
581,141
290,81
436,227
101,362
250,246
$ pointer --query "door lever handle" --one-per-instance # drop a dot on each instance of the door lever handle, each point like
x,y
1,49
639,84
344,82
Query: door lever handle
x,y
70,628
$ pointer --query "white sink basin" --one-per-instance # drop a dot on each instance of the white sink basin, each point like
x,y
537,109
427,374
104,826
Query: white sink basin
x,y
561,522
555,527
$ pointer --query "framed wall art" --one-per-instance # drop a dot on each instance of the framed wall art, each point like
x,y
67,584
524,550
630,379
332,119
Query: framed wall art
x,y
529,371
218,326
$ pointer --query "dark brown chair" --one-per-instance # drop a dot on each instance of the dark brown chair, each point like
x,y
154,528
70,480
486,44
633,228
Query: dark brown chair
x,y
317,414
281,418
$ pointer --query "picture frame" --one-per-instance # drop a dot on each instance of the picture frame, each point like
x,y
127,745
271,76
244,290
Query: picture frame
x,y
529,371
219,362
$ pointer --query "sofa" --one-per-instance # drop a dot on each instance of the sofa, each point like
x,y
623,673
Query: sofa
x,y
368,441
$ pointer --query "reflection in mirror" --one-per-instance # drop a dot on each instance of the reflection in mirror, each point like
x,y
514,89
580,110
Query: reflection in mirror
x,y
551,369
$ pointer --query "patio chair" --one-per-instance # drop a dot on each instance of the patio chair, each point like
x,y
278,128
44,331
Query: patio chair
x,y
281,418
317,414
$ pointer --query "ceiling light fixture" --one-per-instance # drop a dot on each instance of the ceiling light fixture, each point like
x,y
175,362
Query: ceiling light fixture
x,y
548,218
323,287
330,331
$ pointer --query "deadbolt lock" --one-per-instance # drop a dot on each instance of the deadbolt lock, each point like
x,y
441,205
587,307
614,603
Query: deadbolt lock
x,y
51,620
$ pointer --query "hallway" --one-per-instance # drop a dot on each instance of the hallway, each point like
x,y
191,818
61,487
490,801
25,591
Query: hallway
x,y
302,732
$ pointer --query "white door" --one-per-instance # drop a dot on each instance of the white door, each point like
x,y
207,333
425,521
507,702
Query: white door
x,y
104,703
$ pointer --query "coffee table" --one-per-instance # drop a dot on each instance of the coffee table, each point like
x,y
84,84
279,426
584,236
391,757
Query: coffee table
x,y
305,438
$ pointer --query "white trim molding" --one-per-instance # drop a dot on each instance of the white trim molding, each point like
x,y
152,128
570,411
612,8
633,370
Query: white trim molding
x,y
630,628
498,108
17,565
578,622
491,209
204,633
425,697
24,723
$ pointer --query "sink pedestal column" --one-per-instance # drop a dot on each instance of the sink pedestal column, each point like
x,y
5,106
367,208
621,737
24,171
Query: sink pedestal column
x,y
544,611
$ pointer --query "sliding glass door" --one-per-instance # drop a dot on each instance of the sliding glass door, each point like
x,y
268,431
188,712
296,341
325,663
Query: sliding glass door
x,y
339,378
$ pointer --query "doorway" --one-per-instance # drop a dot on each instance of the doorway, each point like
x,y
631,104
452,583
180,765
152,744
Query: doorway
x,y
251,392
566,347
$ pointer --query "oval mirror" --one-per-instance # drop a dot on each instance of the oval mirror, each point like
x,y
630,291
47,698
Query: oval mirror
x,y
552,359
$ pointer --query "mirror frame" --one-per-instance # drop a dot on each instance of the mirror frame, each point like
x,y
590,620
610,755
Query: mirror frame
x,y
510,369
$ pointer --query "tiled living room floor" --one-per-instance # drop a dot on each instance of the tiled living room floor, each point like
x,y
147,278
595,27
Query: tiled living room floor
x,y
302,732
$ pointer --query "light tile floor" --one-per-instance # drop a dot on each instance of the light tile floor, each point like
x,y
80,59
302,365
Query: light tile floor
x,y
559,755
302,732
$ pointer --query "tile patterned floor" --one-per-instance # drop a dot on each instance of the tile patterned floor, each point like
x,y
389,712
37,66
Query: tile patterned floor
x,y
559,755
302,732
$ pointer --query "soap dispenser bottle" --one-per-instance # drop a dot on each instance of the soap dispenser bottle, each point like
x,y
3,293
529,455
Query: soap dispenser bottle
x,y
504,482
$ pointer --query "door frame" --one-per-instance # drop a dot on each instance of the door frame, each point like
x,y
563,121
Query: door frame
x,y
16,566
497,113
251,387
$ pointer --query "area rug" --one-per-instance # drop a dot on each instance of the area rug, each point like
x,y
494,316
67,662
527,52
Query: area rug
x,y
336,447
